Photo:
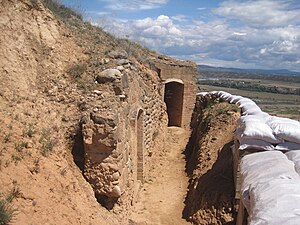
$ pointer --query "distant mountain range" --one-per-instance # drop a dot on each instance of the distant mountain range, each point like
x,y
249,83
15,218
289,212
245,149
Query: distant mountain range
x,y
257,71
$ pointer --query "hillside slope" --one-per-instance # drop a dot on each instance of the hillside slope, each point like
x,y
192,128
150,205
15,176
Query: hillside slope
x,y
39,114
48,65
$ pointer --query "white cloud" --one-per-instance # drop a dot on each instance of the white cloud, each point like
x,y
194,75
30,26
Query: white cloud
x,y
179,18
260,13
218,41
239,34
134,4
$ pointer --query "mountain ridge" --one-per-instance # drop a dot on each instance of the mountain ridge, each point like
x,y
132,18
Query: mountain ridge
x,y
202,67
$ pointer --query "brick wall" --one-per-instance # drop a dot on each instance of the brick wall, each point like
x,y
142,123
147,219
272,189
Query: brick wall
x,y
186,72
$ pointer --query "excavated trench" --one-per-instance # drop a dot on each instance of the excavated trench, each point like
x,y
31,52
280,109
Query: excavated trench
x,y
191,181
209,166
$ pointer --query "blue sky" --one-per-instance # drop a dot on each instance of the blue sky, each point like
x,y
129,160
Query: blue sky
x,y
261,34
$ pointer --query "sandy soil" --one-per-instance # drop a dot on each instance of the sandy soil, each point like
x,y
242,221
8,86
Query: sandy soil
x,y
161,200
211,189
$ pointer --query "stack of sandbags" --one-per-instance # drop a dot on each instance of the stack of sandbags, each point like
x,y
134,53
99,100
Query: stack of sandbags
x,y
286,129
276,202
263,167
257,129
294,156
253,133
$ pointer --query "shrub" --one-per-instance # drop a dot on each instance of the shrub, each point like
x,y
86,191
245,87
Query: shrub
x,y
6,212
77,70
29,131
47,142
60,10
7,137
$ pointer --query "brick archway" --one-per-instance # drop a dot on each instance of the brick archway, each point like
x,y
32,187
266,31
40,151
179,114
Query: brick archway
x,y
173,97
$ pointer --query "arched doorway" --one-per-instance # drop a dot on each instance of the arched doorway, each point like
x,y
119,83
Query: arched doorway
x,y
140,145
173,98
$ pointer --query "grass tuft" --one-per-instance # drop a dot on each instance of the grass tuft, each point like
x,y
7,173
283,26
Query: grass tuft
x,y
6,212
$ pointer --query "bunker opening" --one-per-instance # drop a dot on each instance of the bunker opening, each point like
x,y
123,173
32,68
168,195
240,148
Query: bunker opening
x,y
173,98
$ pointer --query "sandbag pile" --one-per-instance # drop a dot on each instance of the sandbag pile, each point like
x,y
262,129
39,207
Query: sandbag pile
x,y
270,181
258,130
270,188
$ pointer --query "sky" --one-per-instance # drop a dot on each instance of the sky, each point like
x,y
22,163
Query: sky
x,y
250,34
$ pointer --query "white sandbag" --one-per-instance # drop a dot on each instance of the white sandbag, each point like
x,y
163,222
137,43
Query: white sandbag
x,y
255,144
294,156
273,120
249,118
221,93
287,131
261,131
214,92
235,98
244,100
250,107
276,202
242,105
226,97
264,167
252,112
202,93
287,146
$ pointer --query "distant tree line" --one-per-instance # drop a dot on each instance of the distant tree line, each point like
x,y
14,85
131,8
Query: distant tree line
x,y
250,86
243,75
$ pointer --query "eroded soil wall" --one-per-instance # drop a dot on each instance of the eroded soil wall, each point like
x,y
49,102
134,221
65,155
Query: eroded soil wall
x,y
210,197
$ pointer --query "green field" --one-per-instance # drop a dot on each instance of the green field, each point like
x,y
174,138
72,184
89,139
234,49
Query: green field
x,y
276,104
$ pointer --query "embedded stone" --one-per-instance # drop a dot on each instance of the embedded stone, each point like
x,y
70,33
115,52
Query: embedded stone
x,y
108,75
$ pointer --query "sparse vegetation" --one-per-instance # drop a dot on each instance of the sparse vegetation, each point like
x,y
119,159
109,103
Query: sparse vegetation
x,y
6,212
16,158
29,131
20,146
47,142
77,70
60,10
36,166
14,193
34,3
63,172
7,138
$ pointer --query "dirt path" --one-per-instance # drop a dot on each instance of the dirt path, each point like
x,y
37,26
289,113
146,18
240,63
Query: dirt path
x,y
161,201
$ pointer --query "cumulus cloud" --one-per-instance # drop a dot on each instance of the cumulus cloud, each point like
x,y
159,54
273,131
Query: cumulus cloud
x,y
246,43
260,13
134,4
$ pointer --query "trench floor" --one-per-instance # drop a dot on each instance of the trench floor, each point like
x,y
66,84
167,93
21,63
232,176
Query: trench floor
x,y
161,199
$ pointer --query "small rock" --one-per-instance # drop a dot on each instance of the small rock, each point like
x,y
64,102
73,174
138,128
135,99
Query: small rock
x,y
118,54
113,167
116,192
97,92
116,176
116,182
109,75
122,96
123,62
121,68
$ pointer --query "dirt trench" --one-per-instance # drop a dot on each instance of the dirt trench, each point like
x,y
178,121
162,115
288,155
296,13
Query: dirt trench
x,y
161,200
192,180
210,198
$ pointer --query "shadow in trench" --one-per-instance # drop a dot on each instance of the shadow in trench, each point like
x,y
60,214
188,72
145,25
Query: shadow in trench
x,y
214,190
78,149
